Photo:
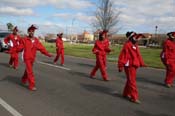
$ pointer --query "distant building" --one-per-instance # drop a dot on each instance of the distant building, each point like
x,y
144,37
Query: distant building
x,y
96,34
149,40
146,40
117,39
121,38
85,37
50,37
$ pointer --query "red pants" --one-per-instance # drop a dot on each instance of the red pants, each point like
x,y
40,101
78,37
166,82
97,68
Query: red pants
x,y
131,87
28,74
14,60
100,65
170,72
105,60
60,52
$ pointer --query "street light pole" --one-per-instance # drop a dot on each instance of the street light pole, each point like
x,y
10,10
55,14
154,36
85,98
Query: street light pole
x,y
73,20
156,27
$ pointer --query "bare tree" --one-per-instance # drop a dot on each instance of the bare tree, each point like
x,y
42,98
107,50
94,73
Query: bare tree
x,y
106,16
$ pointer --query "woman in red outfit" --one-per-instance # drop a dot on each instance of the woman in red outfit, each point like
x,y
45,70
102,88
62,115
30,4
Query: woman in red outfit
x,y
30,45
13,40
99,50
59,49
130,59
168,58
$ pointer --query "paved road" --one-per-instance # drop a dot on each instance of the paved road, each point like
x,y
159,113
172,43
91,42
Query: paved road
x,y
64,92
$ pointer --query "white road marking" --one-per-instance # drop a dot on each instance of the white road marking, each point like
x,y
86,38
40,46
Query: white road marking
x,y
61,67
9,108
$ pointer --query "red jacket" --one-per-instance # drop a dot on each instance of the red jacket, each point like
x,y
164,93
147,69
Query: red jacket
x,y
99,48
59,43
13,42
30,47
130,56
106,45
168,52
106,42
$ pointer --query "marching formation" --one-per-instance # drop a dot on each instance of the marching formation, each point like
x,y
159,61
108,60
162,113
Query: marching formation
x,y
29,45
129,59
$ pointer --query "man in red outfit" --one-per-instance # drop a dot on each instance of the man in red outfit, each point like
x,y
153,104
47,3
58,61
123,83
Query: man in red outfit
x,y
13,40
130,59
59,49
30,45
100,50
168,58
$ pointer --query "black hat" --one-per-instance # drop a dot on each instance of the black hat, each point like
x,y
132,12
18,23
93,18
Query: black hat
x,y
130,34
15,28
59,34
32,27
171,34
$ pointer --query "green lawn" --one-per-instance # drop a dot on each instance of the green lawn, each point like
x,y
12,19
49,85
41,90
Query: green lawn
x,y
150,56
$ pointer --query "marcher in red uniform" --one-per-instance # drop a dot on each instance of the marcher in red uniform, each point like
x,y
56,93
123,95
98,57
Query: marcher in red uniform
x,y
168,58
130,59
30,45
106,44
13,40
99,50
59,49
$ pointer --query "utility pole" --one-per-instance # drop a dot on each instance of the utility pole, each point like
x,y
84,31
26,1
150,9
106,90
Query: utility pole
x,y
66,32
73,20
156,39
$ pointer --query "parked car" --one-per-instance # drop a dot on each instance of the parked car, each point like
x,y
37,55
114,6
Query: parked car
x,y
3,46
50,40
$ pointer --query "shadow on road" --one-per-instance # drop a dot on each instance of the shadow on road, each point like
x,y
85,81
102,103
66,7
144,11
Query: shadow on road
x,y
150,81
12,79
5,64
86,64
142,113
49,62
167,97
84,75
102,90
80,74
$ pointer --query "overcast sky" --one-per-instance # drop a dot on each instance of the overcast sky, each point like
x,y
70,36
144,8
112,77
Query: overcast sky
x,y
53,16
